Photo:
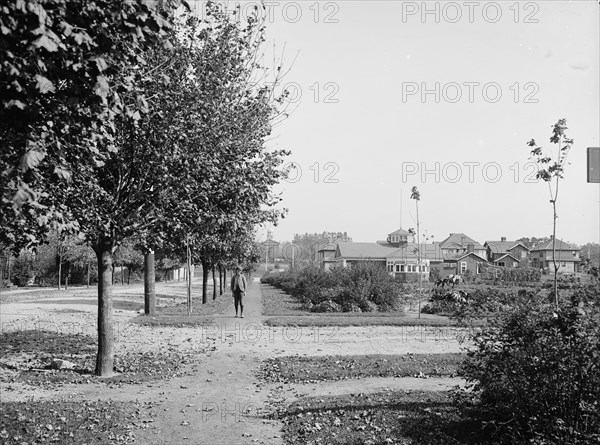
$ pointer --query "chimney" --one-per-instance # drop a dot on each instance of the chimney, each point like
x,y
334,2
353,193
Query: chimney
x,y
551,236
503,239
470,248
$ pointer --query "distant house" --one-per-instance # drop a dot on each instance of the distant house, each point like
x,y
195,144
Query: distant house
x,y
347,254
506,260
459,243
461,264
460,254
395,254
567,256
498,249
326,255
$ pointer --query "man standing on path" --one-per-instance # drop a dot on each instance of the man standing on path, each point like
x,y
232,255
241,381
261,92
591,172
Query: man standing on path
x,y
238,288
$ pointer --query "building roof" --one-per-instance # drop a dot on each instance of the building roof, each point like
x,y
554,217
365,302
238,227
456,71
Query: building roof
x,y
401,232
461,256
328,247
362,250
560,245
503,246
459,240
409,251
504,256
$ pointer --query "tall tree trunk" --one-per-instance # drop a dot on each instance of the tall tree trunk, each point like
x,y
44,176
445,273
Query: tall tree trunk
x,y
149,281
220,279
189,274
179,274
59,270
88,271
122,275
556,266
205,270
67,276
224,278
214,279
128,276
105,357
112,277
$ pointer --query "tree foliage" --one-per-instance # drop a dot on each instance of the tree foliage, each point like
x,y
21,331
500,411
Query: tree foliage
x,y
551,171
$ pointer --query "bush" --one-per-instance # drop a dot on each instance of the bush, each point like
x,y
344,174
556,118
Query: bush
x,y
327,306
364,287
535,374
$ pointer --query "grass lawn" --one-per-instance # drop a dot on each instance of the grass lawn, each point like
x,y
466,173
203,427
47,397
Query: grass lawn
x,y
284,310
177,316
297,369
393,417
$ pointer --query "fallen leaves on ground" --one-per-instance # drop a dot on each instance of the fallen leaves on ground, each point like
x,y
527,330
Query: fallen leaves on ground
x,y
299,369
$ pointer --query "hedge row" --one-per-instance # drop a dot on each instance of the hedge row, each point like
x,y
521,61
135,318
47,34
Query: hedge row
x,y
364,287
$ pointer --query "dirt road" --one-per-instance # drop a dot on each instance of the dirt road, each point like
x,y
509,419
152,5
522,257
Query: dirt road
x,y
221,401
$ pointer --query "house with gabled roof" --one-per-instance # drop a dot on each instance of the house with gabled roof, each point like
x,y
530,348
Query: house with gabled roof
x,y
495,250
347,254
567,256
506,260
459,243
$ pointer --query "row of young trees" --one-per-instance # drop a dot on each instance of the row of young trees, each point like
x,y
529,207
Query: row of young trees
x,y
136,120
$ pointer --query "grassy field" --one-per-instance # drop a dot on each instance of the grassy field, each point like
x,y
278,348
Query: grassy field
x,y
297,369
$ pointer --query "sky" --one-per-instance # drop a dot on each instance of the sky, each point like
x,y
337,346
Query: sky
x,y
387,95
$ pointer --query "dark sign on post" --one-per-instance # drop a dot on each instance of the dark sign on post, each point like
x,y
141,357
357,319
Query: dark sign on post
x,y
593,164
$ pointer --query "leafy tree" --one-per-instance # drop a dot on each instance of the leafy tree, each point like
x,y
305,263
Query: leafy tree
x,y
226,111
67,86
551,171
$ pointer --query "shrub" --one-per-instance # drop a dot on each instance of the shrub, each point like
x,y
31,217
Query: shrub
x,y
535,374
365,287
327,306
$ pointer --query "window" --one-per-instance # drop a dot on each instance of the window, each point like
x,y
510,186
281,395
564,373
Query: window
x,y
463,267
397,267
523,254
478,267
501,263
402,268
